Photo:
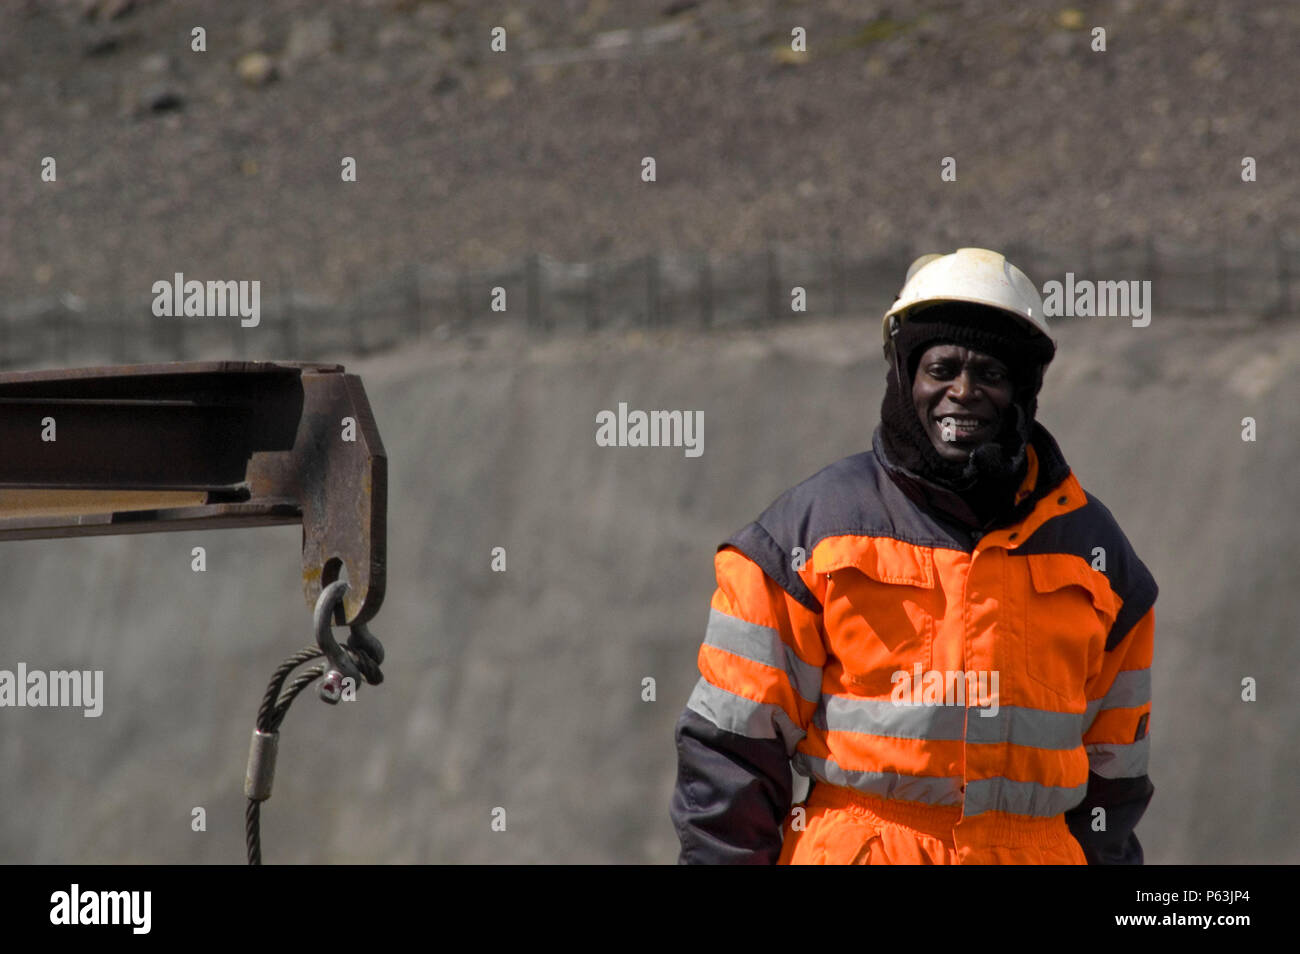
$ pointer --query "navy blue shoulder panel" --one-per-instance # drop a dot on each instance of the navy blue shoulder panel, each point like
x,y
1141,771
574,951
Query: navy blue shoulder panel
x,y
1079,532
851,497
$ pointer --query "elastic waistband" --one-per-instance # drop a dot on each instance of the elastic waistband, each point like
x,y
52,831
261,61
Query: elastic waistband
x,y
944,822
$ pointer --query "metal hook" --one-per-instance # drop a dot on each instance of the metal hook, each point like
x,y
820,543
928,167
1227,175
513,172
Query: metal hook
x,y
323,616
363,641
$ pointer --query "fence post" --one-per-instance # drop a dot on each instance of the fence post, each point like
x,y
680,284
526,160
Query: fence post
x,y
176,336
533,281
58,331
652,290
237,330
465,298
288,330
356,317
117,329
1151,265
157,331
773,284
1220,289
706,290
1283,275
416,303
837,273
594,273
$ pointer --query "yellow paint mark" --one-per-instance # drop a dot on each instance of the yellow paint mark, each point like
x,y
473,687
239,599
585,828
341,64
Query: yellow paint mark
x,y
28,502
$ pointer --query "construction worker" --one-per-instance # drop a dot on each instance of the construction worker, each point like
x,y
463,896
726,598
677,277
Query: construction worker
x,y
945,633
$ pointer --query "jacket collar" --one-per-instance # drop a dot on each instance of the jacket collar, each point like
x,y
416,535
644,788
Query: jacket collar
x,y
1051,467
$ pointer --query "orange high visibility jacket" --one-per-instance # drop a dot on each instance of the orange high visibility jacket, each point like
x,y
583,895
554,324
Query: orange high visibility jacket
x,y
955,696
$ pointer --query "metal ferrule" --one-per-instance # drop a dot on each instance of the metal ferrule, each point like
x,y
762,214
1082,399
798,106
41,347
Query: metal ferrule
x,y
261,765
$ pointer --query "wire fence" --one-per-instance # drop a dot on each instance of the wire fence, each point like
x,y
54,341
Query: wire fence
x,y
660,290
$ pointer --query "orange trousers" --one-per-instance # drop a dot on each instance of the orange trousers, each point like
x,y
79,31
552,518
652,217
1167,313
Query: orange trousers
x,y
841,826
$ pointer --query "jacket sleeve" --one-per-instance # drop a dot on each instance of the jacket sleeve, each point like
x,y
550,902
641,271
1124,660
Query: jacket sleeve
x,y
760,680
1118,742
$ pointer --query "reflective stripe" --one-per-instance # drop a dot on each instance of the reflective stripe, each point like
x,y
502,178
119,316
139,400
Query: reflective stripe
x,y
755,720
1117,760
1131,688
763,644
883,717
1036,728
982,795
932,790
1020,798
1017,725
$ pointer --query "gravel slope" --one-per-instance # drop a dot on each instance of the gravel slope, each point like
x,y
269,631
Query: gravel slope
x,y
473,157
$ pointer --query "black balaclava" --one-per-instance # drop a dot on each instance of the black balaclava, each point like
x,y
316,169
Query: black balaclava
x,y
987,481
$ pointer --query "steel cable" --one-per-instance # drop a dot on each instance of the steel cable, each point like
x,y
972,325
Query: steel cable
x,y
275,706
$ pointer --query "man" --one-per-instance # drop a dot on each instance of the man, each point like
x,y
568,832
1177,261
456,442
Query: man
x,y
945,633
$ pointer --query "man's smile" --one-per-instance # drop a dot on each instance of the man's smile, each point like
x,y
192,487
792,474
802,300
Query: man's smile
x,y
962,427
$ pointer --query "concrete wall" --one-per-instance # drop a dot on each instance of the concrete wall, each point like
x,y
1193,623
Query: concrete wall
x,y
523,689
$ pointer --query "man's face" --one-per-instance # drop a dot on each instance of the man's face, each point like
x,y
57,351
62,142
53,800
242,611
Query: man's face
x,y
961,396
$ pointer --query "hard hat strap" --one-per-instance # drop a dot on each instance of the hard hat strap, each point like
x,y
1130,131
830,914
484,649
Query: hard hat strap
x,y
894,326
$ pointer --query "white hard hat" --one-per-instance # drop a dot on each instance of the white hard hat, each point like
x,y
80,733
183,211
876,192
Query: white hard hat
x,y
975,275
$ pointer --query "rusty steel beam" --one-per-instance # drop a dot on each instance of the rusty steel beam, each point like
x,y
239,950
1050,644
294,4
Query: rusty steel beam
x,y
202,446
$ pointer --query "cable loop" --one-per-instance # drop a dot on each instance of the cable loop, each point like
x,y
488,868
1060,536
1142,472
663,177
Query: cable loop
x,y
359,659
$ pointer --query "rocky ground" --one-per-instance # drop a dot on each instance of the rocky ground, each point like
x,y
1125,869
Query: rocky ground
x,y
227,162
